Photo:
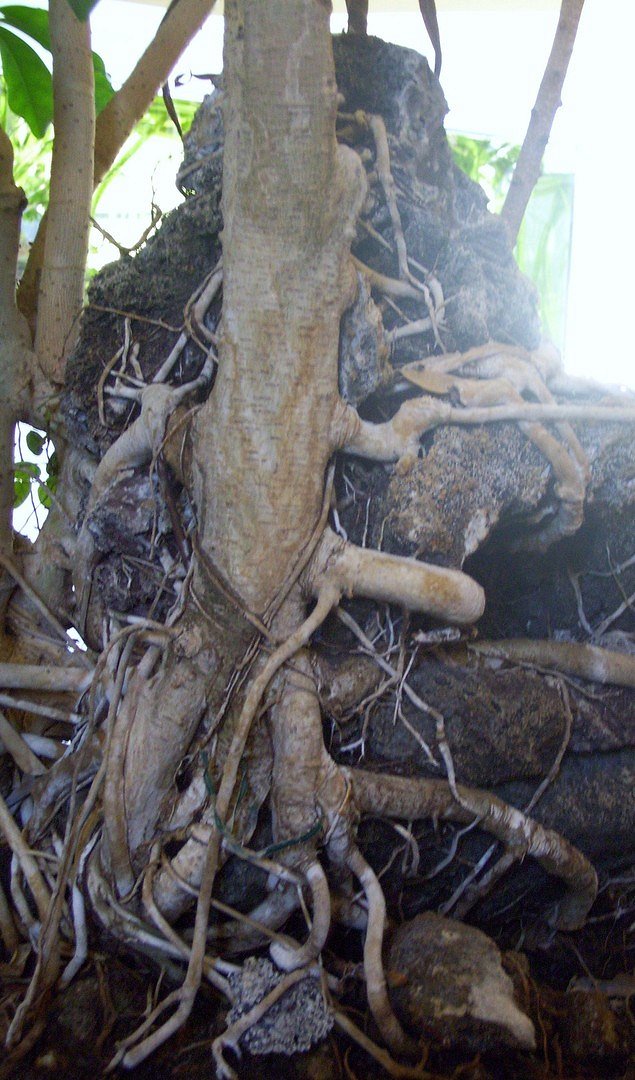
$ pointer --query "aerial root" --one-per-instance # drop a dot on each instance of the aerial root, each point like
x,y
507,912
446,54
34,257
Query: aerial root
x,y
390,1028
411,799
132,1052
289,958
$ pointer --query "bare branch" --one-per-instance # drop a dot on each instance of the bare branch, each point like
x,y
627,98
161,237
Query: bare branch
x,y
547,104
123,111
14,336
61,292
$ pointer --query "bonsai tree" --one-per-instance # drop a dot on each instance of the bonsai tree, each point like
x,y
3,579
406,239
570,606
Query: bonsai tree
x,y
202,407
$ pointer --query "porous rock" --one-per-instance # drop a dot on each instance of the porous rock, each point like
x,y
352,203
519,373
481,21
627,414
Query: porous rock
x,y
297,1021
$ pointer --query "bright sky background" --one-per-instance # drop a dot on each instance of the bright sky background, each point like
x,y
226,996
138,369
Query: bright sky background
x,y
493,63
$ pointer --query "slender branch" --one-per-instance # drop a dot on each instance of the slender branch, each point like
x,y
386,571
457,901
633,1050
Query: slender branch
x,y
122,112
27,860
182,21
14,337
61,291
547,104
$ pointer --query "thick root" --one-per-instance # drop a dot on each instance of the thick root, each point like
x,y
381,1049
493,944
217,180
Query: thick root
x,y
402,797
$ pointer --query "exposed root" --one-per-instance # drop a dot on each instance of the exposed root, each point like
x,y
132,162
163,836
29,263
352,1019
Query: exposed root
x,y
195,312
398,439
19,750
33,677
392,1067
482,888
401,290
397,796
574,658
27,861
216,979
380,1007
382,160
405,687
133,1051
417,586
503,379
49,616
135,447
289,959
262,688
8,932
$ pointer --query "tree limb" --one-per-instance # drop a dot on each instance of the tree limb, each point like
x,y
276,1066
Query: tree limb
x,y
123,111
61,292
547,104
15,365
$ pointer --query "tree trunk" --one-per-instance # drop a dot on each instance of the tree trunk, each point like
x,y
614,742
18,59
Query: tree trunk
x,y
290,202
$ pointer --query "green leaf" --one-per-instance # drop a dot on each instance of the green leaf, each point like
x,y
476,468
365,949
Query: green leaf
x,y
28,82
53,468
34,22
83,8
21,489
103,86
23,473
35,442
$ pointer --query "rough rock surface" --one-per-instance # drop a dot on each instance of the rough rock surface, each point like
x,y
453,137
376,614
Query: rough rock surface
x,y
293,1024
449,985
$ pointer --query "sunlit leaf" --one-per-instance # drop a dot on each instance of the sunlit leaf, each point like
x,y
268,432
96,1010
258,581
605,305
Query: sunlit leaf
x,y
34,22
23,473
103,87
28,82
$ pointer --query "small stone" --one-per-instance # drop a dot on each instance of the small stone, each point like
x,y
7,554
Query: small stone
x,y
297,1021
453,987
